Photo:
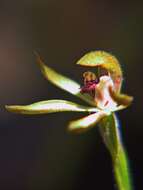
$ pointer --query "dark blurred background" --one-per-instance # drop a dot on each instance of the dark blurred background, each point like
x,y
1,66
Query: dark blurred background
x,y
36,152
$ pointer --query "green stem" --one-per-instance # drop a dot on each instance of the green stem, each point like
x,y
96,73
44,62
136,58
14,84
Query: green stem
x,y
109,129
121,170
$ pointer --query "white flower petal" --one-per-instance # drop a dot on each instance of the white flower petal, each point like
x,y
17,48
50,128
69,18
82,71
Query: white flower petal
x,y
86,123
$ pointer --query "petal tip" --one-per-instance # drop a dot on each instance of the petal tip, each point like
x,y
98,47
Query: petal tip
x,y
121,99
75,130
7,107
10,108
15,108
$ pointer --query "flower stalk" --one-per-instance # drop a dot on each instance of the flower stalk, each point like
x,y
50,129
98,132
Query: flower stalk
x,y
109,129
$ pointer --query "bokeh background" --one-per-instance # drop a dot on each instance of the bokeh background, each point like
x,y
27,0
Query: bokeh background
x,y
36,152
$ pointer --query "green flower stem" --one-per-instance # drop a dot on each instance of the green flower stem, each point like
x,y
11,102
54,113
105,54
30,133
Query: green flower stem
x,y
121,170
109,129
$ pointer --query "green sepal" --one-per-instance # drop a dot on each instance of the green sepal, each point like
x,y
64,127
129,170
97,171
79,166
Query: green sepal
x,y
121,99
106,61
49,106
84,124
62,81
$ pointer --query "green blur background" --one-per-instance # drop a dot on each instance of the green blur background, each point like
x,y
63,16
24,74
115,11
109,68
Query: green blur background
x,y
36,152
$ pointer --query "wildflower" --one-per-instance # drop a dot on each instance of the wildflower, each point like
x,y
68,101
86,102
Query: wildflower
x,y
102,93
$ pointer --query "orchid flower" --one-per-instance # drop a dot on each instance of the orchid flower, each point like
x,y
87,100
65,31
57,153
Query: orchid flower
x,y
103,94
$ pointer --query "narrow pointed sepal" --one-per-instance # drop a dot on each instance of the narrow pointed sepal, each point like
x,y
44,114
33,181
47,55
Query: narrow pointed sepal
x,y
49,106
106,61
62,81
83,124
59,80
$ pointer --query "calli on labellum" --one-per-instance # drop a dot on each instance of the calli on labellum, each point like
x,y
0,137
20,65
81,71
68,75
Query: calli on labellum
x,y
102,93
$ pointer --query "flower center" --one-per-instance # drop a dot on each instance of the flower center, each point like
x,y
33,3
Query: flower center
x,y
90,82
98,88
